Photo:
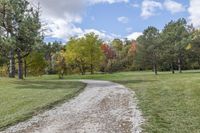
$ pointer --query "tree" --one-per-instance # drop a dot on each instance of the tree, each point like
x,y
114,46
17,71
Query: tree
x,y
132,52
94,55
117,45
61,64
194,46
7,30
35,64
84,53
149,46
28,32
21,24
75,54
175,38
109,55
50,50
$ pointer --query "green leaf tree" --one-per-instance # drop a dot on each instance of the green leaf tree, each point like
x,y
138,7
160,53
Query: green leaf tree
x,y
149,46
175,38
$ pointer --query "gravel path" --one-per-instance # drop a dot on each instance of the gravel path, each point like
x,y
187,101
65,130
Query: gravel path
x,y
104,107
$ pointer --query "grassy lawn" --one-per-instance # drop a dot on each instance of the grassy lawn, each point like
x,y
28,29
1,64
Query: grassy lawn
x,y
20,100
170,103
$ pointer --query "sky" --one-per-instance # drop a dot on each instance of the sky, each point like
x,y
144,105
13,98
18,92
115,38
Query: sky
x,y
62,19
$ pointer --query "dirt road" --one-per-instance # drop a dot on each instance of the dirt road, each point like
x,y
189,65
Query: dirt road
x,y
104,107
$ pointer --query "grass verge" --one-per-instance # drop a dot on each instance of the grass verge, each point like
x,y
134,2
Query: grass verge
x,y
170,103
20,100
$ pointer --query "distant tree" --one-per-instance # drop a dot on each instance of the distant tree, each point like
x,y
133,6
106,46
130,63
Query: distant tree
x,y
117,45
175,38
149,47
61,64
50,50
75,54
133,48
35,64
132,52
84,52
109,55
194,47
94,55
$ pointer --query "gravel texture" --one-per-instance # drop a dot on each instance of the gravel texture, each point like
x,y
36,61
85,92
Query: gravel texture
x,y
104,107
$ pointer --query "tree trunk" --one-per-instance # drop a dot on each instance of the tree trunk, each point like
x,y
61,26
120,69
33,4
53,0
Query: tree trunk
x,y
81,68
84,70
111,65
25,68
11,64
172,68
199,62
20,65
155,65
180,65
155,69
92,69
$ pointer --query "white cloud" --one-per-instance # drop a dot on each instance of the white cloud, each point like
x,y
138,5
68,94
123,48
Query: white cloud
x,y
134,35
106,1
61,16
149,8
173,6
102,34
123,19
194,11
59,28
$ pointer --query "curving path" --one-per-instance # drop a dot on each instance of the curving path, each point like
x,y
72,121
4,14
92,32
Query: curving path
x,y
104,107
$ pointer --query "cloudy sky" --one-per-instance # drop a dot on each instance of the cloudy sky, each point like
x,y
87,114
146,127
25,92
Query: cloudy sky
x,y
112,18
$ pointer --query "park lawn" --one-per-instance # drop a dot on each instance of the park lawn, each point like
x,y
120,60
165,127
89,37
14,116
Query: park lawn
x,y
170,103
19,100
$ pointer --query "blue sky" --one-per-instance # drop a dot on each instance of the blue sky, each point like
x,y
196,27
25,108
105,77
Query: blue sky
x,y
112,18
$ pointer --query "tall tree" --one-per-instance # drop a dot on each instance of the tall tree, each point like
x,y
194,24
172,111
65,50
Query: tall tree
x,y
50,50
175,38
21,23
28,32
117,45
75,54
85,52
109,56
35,64
93,48
194,46
7,33
149,46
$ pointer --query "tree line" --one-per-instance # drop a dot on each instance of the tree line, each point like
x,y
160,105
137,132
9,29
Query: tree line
x,y
176,47
19,33
23,51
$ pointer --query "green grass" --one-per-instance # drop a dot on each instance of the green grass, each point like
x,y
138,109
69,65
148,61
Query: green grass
x,y
19,100
170,103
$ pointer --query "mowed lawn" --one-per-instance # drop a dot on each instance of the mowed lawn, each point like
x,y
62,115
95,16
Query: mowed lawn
x,y
20,100
170,103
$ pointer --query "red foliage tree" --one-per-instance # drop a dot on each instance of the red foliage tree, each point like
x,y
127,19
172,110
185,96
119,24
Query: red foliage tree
x,y
108,52
133,48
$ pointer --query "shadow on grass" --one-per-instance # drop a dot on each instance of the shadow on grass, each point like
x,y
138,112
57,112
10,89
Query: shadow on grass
x,y
42,85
